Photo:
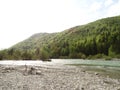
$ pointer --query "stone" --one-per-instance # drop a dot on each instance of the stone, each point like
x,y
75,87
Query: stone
x,y
96,73
38,73
32,71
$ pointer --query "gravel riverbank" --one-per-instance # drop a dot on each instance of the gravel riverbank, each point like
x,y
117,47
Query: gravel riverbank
x,y
53,78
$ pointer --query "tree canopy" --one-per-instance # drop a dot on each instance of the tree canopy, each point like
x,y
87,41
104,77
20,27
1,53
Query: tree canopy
x,y
98,37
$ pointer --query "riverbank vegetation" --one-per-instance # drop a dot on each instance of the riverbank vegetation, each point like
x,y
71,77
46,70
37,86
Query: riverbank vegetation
x,y
98,39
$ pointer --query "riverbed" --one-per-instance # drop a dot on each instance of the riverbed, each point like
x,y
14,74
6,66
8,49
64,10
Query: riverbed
x,y
55,75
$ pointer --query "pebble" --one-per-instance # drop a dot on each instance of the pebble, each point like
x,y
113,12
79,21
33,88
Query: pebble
x,y
64,78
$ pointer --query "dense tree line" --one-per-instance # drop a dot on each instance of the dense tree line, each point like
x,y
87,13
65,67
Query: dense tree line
x,y
99,38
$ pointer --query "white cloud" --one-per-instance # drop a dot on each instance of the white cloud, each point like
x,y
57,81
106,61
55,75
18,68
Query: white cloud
x,y
95,6
21,18
108,2
114,9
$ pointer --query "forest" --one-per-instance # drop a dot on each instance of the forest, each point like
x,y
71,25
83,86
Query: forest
x,y
98,39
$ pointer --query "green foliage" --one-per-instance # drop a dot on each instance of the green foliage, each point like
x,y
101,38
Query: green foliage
x,y
1,56
99,56
99,39
44,54
77,55
26,55
108,58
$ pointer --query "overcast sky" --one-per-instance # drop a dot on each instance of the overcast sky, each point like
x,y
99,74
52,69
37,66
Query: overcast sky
x,y
19,19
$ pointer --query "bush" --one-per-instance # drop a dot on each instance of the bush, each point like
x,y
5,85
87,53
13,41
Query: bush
x,y
108,58
118,56
77,55
81,55
99,56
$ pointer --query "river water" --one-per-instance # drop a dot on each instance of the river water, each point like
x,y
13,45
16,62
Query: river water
x,y
110,68
112,63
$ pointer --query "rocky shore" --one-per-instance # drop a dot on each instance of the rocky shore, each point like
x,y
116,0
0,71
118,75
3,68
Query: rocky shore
x,y
53,78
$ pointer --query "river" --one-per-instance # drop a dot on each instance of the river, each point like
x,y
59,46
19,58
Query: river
x,y
110,68
112,63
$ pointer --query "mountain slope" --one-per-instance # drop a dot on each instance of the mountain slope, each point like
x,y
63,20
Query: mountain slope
x,y
35,41
99,37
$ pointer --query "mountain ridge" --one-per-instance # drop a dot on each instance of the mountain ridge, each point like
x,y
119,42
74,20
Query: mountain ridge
x,y
100,37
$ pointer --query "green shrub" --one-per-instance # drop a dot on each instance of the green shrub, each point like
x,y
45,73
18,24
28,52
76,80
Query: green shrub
x,y
108,58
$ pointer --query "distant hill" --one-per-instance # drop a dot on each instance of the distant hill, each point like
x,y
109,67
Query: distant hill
x,y
98,38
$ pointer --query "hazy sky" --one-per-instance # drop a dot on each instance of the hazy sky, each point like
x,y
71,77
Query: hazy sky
x,y
19,19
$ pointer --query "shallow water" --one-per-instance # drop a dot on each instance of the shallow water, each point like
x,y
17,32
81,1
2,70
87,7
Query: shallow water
x,y
112,63
64,61
112,72
106,68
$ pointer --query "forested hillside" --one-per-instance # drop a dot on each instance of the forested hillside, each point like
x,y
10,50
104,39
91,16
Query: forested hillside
x,y
98,39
